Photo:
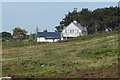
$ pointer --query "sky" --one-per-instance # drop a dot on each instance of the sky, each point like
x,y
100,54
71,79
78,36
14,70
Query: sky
x,y
60,0
44,15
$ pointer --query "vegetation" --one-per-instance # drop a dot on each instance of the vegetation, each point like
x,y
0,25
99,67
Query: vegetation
x,y
96,21
14,44
45,30
83,56
19,34
6,36
86,56
91,36
31,37
36,34
96,53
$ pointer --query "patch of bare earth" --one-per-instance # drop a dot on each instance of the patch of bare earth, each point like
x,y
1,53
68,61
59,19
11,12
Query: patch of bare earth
x,y
108,72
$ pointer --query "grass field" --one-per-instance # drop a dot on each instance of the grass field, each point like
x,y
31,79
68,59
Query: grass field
x,y
89,52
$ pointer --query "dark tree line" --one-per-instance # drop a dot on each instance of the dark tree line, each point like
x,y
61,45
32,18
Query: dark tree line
x,y
18,34
96,21
6,36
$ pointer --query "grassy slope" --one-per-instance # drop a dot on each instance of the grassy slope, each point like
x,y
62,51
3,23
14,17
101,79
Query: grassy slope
x,y
50,59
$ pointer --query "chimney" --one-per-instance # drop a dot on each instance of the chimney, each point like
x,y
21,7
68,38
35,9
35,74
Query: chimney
x,y
75,22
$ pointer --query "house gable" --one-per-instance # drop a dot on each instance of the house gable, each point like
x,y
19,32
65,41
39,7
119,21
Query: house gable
x,y
73,26
74,29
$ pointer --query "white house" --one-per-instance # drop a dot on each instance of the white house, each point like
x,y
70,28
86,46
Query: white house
x,y
48,36
74,29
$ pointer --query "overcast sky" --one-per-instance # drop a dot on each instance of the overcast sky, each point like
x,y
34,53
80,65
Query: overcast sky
x,y
45,15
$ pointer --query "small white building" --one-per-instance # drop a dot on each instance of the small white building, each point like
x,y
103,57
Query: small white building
x,y
48,36
74,29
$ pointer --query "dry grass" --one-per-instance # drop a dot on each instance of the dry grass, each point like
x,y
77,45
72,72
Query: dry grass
x,y
55,58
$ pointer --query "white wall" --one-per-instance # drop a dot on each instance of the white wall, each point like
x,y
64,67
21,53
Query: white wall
x,y
49,40
71,27
55,40
42,39
76,32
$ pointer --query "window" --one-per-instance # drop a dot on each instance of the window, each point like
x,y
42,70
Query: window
x,y
77,30
66,31
71,31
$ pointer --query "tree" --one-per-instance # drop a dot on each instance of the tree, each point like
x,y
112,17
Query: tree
x,y
96,21
84,17
112,23
70,17
59,28
6,36
45,30
19,34
36,34
31,37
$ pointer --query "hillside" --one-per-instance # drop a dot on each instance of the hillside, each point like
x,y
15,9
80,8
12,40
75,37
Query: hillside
x,y
71,58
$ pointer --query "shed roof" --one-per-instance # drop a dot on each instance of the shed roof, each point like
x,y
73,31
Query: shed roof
x,y
49,35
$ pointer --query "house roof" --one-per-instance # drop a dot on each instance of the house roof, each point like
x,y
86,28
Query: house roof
x,y
49,35
77,25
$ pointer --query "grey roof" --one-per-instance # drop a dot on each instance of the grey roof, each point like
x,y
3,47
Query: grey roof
x,y
49,35
77,25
